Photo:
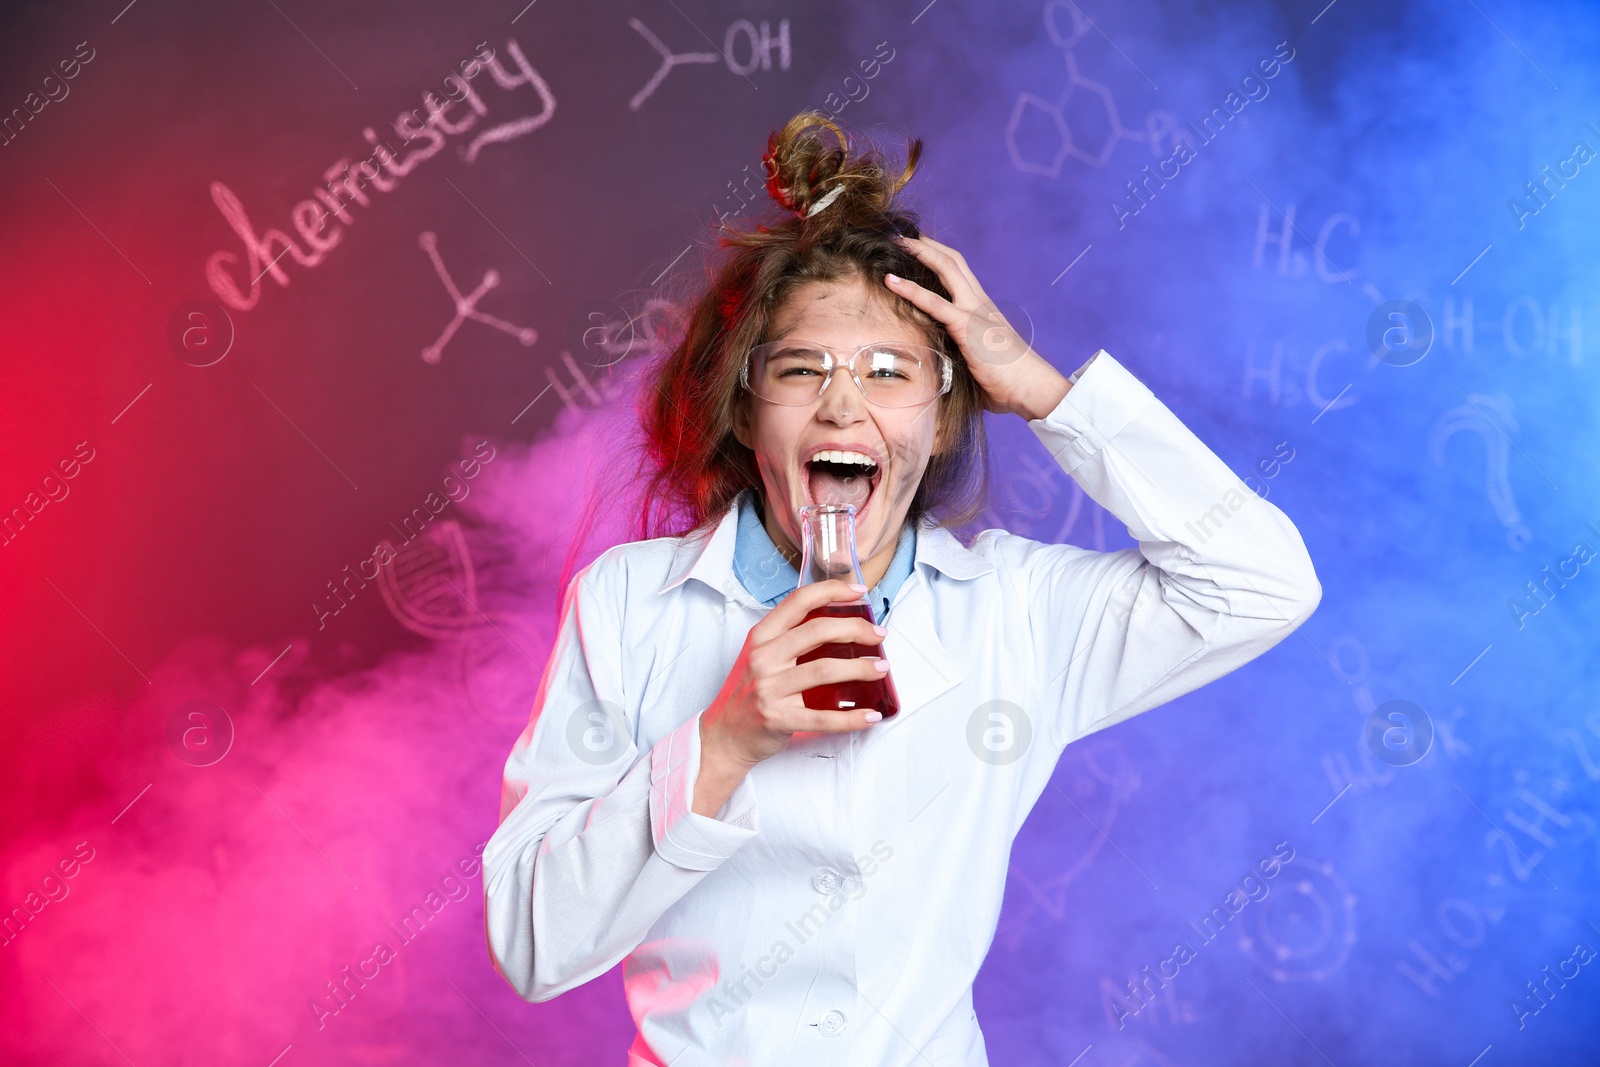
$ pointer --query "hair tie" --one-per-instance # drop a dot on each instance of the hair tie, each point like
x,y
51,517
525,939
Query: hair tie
x,y
833,194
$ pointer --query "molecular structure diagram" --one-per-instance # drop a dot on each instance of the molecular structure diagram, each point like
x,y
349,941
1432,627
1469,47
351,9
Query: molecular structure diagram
x,y
1034,115
761,42
1304,931
466,304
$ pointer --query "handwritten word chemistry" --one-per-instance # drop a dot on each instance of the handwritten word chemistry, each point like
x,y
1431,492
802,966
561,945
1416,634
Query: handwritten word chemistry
x,y
237,280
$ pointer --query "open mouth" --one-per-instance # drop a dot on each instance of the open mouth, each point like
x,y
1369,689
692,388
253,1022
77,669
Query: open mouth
x,y
832,481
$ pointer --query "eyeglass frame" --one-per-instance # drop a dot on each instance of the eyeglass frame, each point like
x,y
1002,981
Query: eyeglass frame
x,y
946,363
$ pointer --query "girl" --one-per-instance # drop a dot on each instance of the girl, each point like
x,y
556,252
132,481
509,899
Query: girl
x,y
785,885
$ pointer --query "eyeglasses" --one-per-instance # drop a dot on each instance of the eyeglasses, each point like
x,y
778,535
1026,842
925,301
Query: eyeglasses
x,y
897,374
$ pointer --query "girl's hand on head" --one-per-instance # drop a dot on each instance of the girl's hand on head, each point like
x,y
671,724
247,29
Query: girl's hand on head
x,y
1014,378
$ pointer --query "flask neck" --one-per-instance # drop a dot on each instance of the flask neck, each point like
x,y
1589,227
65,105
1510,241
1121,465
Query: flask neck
x,y
828,544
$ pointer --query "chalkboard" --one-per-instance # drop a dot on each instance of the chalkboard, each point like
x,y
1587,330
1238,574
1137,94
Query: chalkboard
x,y
324,331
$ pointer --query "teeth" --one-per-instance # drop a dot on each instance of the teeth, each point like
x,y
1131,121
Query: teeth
x,y
837,456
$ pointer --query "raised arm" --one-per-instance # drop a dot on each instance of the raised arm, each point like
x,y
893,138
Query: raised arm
x,y
1219,575
596,838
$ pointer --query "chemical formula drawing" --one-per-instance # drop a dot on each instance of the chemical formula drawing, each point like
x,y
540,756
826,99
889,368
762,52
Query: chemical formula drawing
x,y
1036,121
466,306
742,37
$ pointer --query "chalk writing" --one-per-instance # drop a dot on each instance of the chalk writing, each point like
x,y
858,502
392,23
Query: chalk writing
x,y
466,305
1292,262
317,221
1038,134
415,524
759,42
1140,990
1285,390
1527,328
1474,417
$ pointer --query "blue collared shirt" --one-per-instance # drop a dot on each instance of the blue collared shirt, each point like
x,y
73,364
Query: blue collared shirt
x,y
769,577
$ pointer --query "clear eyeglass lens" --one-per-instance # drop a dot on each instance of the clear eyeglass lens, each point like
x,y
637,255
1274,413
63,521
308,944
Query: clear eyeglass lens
x,y
893,374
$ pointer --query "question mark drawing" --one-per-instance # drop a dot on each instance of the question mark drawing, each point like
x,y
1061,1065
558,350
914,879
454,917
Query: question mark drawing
x,y
1496,446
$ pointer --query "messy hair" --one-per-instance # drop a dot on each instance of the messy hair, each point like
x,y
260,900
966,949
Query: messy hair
x,y
697,465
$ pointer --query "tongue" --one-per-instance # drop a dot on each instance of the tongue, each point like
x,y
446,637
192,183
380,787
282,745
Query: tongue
x,y
830,488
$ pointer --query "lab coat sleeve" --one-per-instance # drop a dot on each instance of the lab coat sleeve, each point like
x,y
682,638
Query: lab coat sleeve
x,y
1219,575
596,838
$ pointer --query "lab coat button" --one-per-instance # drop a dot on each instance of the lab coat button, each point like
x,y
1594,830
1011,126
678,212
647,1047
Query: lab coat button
x,y
825,881
851,884
831,1024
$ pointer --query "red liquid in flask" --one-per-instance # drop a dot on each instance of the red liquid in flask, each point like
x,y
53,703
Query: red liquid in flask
x,y
877,694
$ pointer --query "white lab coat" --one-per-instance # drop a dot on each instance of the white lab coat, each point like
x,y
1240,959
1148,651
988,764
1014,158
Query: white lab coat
x,y
838,907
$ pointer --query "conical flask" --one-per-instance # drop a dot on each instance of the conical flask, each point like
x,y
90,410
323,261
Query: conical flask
x,y
828,550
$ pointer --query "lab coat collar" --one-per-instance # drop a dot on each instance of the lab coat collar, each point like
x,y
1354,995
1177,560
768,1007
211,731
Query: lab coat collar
x,y
710,557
